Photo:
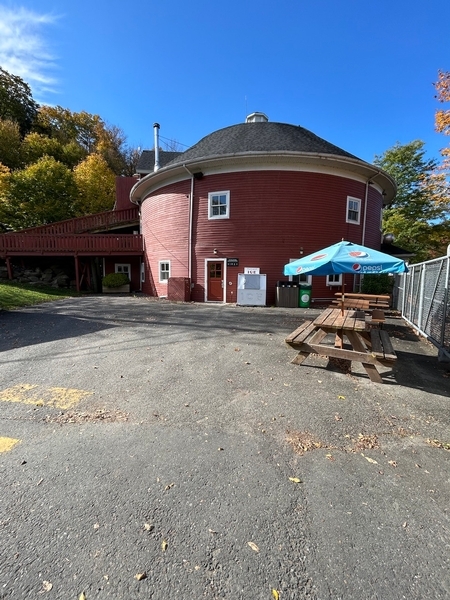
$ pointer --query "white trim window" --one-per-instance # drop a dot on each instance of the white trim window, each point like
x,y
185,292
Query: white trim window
x,y
353,210
123,268
219,205
334,279
164,271
300,278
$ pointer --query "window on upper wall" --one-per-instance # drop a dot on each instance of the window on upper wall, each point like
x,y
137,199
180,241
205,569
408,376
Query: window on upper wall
x,y
164,271
334,279
219,205
353,210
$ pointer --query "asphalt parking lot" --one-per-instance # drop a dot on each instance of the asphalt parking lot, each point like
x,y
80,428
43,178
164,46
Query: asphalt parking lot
x,y
151,449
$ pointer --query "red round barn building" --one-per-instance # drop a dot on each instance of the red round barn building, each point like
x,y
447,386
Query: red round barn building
x,y
250,198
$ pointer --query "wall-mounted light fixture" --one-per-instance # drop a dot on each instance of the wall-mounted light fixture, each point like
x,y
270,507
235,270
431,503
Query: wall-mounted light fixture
x,y
301,250
215,250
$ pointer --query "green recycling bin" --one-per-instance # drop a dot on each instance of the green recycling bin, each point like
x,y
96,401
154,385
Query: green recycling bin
x,y
304,296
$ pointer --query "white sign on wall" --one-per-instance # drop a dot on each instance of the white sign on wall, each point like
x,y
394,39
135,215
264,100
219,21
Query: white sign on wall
x,y
251,270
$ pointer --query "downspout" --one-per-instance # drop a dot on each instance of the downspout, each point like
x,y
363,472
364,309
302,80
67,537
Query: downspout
x,y
366,200
366,197
363,237
191,208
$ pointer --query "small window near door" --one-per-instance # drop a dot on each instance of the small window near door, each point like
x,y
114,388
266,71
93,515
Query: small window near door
x,y
164,271
123,268
334,279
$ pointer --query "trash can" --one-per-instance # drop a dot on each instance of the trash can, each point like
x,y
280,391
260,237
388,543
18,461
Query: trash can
x,y
304,297
287,294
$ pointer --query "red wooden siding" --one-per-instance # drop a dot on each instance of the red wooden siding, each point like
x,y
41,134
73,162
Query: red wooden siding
x,y
123,188
272,215
165,228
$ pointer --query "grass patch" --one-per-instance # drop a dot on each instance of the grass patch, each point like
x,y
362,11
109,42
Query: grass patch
x,y
17,295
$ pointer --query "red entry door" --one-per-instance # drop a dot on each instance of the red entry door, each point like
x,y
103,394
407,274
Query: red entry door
x,y
215,281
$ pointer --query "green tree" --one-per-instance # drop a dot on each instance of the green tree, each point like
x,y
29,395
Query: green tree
x,y
96,185
67,126
10,144
36,145
16,101
131,158
419,215
89,131
44,192
110,145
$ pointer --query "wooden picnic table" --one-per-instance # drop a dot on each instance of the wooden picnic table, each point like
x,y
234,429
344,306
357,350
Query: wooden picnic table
x,y
357,303
369,347
374,300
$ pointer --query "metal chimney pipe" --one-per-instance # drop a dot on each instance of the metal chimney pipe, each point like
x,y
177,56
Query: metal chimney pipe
x,y
156,132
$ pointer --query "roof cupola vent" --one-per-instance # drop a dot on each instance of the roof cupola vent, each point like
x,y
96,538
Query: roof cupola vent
x,y
257,117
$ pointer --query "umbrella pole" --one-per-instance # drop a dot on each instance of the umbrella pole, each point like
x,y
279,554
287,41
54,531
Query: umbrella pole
x,y
342,295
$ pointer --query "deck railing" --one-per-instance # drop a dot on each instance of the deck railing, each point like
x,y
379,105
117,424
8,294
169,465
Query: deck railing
x,y
98,221
88,244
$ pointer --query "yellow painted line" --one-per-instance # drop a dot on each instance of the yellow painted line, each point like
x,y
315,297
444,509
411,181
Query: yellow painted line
x,y
7,444
56,397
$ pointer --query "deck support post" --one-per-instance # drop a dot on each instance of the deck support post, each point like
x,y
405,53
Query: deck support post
x,y
9,268
77,272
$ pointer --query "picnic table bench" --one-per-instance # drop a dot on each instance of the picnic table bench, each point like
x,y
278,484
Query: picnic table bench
x,y
381,346
382,301
377,315
370,348
356,303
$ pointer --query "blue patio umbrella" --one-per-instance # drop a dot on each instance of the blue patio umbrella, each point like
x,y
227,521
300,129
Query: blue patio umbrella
x,y
346,257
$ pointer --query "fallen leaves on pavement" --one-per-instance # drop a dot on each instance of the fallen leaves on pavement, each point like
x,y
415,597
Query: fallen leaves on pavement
x,y
100,415
302,441
438,444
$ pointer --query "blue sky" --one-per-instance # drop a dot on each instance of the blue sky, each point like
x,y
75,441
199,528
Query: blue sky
x,y
358,73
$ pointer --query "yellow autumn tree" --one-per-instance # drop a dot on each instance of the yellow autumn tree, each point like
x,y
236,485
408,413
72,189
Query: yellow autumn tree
x,y
96,185
442,117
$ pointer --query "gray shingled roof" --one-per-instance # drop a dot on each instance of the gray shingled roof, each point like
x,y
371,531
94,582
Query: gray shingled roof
x,y
146,161
259,137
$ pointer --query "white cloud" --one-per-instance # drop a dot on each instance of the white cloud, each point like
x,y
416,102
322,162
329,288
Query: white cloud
x,y
24,51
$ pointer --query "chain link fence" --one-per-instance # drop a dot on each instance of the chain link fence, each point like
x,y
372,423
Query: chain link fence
x,y
423,297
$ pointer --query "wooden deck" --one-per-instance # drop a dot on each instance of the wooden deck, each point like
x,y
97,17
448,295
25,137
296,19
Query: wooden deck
x,y
102,221
31,244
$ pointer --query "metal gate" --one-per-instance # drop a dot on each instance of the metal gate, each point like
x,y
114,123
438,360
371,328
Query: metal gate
x,y
423,297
